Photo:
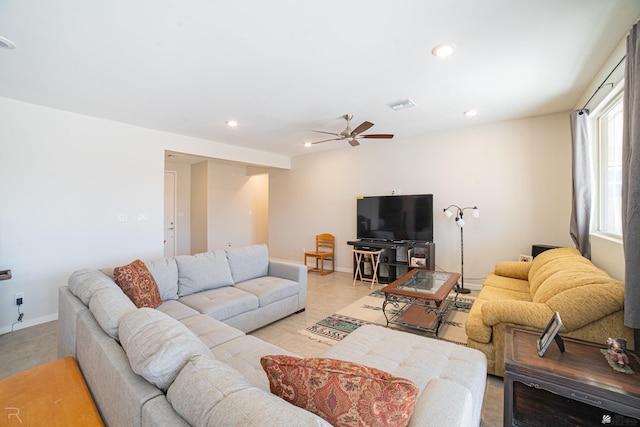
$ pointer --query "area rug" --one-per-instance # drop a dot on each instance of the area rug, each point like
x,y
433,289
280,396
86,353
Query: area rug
x,y
368,310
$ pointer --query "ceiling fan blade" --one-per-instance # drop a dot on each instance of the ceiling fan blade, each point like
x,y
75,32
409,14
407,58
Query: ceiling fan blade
x,y
363,127
378,135
325,140
328,133
354,142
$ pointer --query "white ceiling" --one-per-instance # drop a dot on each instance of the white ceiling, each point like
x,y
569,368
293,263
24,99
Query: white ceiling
x,y
284,67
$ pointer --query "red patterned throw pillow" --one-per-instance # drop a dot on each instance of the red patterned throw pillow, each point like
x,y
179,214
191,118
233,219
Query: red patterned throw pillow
x,y
138,284
343,393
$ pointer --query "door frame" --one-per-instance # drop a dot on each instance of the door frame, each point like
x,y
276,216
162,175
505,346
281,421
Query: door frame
x,y
174,175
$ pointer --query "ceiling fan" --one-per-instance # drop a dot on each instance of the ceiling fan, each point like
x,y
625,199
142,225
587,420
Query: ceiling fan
x,y
352,136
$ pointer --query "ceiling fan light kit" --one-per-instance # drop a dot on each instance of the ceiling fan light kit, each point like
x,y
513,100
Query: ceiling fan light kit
x,y
6,43
352,136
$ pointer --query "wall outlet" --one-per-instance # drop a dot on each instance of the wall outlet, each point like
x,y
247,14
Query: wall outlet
x,y
525,258
19,298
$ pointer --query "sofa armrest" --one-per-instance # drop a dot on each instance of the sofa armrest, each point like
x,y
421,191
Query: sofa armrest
x,y
513,269
288,270
291,271
434,407
523,313
69,306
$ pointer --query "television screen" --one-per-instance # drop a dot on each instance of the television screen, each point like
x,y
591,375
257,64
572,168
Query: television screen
x,y
395,218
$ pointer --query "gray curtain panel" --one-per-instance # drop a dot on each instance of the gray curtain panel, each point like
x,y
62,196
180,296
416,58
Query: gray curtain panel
x,y
631,181
581,182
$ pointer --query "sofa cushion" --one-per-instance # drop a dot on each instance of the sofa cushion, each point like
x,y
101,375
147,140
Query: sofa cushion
x,y
210,331
176,309
222,303
342,392
243,354
202,272
508,283
138,284
248,262
208,392
404,354
165,272
563,278
269,289
550,262
158,346
109,306
83,283
514,269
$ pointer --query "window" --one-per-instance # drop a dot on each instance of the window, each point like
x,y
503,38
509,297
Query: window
x,y
608,135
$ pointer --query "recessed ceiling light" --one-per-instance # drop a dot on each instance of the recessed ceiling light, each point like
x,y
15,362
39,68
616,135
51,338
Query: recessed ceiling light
x,y
232,123
471,113
443,49
6,43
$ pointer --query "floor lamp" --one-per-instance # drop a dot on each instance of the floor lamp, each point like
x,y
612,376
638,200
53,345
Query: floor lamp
x,y
460,223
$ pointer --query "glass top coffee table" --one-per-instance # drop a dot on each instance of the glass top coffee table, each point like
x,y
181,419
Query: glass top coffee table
x,y
419,299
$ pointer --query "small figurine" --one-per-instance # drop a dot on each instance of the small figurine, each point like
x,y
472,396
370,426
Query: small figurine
x,y
616,356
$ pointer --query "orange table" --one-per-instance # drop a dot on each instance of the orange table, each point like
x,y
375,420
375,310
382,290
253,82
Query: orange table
x,y
53,394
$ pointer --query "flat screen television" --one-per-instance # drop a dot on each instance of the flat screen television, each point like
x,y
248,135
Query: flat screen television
x,y
395,218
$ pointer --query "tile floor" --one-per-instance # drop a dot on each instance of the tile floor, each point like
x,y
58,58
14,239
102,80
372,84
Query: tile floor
x,y
30,347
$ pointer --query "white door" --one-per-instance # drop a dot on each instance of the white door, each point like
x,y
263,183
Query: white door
x,y
169,213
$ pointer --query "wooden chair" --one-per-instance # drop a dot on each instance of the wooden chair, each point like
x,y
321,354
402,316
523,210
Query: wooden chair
x,y
325,248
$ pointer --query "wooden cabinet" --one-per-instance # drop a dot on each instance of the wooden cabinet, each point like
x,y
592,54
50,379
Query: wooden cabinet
x,y
53,394
574,388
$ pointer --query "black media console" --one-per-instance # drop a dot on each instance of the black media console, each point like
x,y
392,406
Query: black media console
x,y
397,259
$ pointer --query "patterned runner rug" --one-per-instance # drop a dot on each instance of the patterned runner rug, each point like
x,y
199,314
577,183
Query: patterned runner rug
x,y
368,310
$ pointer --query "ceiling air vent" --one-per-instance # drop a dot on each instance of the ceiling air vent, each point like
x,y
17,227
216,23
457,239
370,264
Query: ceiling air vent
x,y
402,104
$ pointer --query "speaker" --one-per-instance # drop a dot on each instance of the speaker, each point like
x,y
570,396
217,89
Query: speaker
x,y
538,249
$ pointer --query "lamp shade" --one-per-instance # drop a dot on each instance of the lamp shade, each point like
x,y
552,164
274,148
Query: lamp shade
x,y
447,213
475,213
460,222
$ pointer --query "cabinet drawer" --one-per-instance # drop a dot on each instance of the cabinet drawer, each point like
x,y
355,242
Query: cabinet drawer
x,y
539,403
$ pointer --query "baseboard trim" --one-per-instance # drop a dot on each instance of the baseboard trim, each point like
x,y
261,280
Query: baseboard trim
x,y
27,323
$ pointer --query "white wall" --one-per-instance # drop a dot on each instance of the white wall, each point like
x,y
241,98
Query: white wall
x,y
64,180
199,206
237,206
517,173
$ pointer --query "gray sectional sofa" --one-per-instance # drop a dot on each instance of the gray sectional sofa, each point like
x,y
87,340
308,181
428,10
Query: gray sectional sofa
x,y
189,361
